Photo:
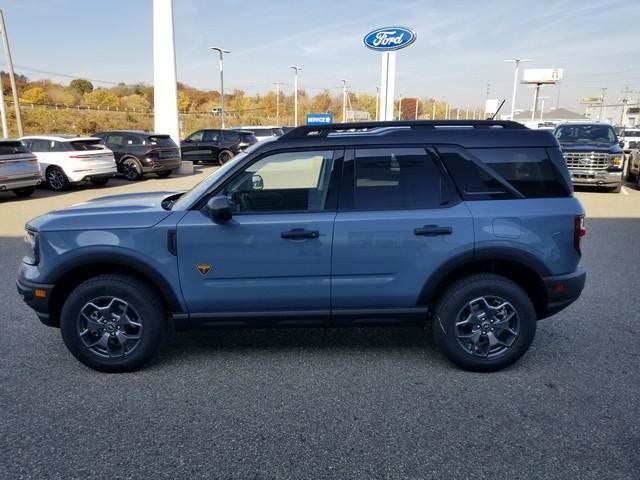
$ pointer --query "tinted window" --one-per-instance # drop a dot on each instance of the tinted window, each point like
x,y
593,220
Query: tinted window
x,y
160,141
196,137
248,137
473,182
231,136
296,181
528,170
115,140
211,136
134,141
38,145
10,148
397,178
86,145
58,147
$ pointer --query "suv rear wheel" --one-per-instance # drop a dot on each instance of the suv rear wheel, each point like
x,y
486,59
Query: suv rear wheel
x,y
56,179
484,322
224,156
131,169
113,323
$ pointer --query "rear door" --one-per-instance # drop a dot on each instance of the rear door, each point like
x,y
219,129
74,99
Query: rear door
x,y
399,220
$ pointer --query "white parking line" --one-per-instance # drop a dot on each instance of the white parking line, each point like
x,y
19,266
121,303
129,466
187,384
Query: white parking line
x,y
624,191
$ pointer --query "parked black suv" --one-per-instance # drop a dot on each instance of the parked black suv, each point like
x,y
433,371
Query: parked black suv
x,y
215,145
138,152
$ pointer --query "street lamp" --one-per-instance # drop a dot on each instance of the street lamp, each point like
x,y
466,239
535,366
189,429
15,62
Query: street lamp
x,y
296,69
517,61
221,51
344,100
400,107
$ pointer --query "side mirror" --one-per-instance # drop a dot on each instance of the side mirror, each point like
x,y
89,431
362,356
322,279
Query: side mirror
x,y
187,140
256,182
219,209
621,143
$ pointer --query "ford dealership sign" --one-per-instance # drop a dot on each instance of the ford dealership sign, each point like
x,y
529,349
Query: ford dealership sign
x,y
390,38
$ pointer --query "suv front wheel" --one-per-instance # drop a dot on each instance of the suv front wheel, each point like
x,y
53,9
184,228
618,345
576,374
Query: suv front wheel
x,y
484,322
113,323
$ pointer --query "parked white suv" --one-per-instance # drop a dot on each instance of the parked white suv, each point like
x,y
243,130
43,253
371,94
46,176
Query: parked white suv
x,y
19,169
66,159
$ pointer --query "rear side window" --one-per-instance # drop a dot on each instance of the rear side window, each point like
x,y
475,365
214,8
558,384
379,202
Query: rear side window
x,y
231,136
10,148
161,141
86,145
528,170
397,178
38,145
248,137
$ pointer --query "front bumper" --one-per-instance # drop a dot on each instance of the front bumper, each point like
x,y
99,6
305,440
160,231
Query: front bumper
x,y
23,182
36,295
595,178
563,290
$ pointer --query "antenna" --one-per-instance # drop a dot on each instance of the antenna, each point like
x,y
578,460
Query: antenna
x,y
499,107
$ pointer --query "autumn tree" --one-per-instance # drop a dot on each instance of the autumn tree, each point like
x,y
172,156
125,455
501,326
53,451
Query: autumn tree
x,y
80,86
35,95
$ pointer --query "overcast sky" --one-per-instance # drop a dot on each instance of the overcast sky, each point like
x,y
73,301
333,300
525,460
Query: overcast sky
x,y
460,47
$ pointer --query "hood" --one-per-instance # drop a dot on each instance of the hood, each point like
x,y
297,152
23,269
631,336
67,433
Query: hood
x,y
591,147
134,210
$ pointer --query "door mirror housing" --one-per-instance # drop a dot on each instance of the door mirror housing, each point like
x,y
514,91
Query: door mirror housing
x,y
621,143
219,209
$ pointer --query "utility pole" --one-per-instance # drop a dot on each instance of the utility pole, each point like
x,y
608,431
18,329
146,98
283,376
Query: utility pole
x,y
604,91
344,100
625,99
536,94
517,61
221,51
466,114
277,84
296,69
446,112
433,110
12,77
542,107
3,112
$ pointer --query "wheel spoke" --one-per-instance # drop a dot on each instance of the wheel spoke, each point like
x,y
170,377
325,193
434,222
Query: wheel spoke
x,y
102,342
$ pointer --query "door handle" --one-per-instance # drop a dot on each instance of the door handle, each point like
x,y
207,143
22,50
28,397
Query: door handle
x,y
432,230
300,233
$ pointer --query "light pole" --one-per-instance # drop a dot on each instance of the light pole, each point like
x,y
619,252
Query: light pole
x,y
344,100
542,107
604,90
296,69
400,107
377,103
221,51
417,102
433,110
517,61
277,84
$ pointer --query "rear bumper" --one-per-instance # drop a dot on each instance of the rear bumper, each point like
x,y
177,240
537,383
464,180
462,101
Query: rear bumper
x,y
161,165
23,182
75,177
36,295
563,290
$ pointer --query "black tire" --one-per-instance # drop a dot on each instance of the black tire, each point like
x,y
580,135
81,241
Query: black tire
x,y
131,169
456,303
56,179
24,192
98,182
164,174
224,156
144,308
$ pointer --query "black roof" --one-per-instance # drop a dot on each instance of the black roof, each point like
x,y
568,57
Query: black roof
x,y
136,132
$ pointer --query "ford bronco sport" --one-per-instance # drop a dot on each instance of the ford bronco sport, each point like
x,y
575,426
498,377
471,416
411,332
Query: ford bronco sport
x,y
470,224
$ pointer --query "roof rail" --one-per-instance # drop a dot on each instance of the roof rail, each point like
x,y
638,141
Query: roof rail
x,y
363,127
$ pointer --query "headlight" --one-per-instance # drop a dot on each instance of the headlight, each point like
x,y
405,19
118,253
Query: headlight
x,y
616,160
31,247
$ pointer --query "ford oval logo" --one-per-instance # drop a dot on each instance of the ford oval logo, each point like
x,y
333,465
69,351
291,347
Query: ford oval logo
x,y
389,38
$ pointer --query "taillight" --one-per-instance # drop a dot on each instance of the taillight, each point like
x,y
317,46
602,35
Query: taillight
x,y
578,232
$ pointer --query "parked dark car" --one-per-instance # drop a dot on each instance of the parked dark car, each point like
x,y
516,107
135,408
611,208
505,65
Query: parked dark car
x,y
138,152
215,145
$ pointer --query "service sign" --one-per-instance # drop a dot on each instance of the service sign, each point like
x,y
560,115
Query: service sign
x,y
319,118
389,38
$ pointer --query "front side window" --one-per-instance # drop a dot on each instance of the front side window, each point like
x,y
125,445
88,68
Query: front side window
x,y
115,140
195,137
397,178
211,136
282,182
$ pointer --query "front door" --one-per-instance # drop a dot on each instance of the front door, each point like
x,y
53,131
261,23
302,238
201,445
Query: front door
x,y
273,258
400,218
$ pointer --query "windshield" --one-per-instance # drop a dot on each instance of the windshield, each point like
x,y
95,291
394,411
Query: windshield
x,y
586,134
631,133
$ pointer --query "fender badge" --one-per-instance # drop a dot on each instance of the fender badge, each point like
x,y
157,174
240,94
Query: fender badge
x,y
203,268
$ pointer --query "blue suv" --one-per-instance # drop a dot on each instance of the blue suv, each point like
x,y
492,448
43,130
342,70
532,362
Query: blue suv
x,y
469,225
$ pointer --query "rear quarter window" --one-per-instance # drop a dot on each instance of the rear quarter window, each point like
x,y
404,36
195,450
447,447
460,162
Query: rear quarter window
x,y
11,148
86,145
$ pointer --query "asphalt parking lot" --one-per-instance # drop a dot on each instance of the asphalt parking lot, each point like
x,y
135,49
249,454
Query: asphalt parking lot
x,y
325,403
